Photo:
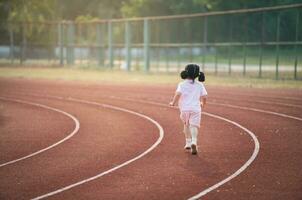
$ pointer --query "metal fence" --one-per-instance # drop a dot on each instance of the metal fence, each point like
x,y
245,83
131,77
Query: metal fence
x,y
251,42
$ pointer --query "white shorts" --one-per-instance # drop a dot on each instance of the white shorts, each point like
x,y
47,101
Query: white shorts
x,y
190,118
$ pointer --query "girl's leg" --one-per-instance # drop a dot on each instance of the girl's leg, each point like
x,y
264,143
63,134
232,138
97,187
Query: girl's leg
x,y
187,136
194,134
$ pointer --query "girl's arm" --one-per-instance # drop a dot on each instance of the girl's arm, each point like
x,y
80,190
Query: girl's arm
x,y
203,101
175,99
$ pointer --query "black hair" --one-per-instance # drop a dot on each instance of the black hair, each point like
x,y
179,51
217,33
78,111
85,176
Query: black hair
x,y
201,77
192,71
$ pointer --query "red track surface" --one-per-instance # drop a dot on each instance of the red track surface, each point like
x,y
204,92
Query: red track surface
x,y
109,137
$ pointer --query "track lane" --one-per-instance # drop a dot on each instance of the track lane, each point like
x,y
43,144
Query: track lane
x,y
272,129
277,109
158,141
276,141
236,173
238,96
80,157
286,96
69,135
277,126
237,157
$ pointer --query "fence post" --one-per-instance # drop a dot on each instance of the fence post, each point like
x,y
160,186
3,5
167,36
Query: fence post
x,y
244,44
127,45
12,46
60,43
178,48
216,61
110,47
100,41
205,41
277,46
158,40
261,45
230,45
70,47
23,45
146,45
296,41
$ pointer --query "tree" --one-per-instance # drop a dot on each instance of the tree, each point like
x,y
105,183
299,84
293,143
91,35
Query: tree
x,y
32,10
143,8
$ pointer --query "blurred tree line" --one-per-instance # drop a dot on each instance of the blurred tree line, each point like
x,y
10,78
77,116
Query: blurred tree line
x,y
41,10
87,10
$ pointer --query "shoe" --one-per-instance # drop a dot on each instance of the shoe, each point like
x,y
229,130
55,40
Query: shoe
x,y
187,147
193,149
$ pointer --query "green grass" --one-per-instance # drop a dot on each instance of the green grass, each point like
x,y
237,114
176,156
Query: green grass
x,y
286,56
93,75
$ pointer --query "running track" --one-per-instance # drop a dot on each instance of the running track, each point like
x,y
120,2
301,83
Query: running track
x,y
112,134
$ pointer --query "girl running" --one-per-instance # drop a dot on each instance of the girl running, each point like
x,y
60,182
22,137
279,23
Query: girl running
x,y
191,97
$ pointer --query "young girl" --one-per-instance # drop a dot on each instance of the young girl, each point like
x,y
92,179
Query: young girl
x,y
191,96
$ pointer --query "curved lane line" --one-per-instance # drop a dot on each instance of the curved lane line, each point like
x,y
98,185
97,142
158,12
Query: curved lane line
x,y
257,145
75,130
240,170
257,110
265,102
204,192
161,135
281,104
220,104
264,96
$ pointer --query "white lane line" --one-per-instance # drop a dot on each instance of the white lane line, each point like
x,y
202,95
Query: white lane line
x,y
263,102
281,104
220,104
256,101
241,169
256,149
259,101
161,135
280,97
257,110
263,96
75,130
202,193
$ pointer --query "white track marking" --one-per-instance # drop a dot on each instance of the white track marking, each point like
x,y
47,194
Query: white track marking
x,y
202,193
264,102
255,101
256,142
281,104
161,135
261,101
257,110
263,96
281,97
220,104
241,169
75,130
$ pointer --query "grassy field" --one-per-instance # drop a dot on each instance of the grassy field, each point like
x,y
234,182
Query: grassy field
x,y
119,77
287,55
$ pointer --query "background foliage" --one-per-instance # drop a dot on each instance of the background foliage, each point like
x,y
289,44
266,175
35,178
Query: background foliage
x,y
80,10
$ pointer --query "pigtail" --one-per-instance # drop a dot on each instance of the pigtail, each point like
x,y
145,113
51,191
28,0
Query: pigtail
x,y
184,74
201,77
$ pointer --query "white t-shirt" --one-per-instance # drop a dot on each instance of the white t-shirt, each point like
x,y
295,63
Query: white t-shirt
x,y
190,95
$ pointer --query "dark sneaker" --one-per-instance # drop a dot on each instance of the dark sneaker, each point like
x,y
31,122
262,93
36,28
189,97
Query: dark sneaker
x,y
193,149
